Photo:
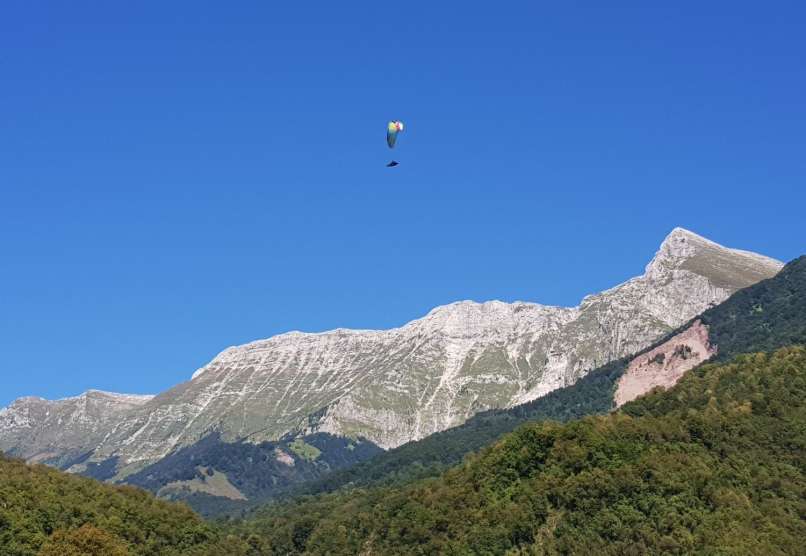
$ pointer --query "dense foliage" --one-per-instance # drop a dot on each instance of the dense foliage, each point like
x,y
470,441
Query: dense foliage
x,y
762,317
714,465
61,514
254,469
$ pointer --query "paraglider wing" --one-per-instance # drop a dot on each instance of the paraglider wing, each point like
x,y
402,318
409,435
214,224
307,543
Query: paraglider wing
x,y
392,164
391,134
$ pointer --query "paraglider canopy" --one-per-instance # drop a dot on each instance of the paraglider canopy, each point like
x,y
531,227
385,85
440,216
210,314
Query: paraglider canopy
x,y
392,130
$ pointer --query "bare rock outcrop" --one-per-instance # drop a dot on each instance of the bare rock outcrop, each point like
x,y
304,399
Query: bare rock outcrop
x,y
664,365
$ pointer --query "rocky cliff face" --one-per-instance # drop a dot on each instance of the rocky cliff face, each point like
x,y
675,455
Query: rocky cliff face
x,y
398,385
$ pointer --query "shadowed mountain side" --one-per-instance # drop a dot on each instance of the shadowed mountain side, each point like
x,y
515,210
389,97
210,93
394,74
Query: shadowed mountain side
x,y
215,476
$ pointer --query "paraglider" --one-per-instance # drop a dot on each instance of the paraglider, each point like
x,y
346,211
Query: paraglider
x,y
391,132
392,129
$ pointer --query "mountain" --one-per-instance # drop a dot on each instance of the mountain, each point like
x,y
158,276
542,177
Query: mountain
x,y
394,386
714,465
763,317
61,432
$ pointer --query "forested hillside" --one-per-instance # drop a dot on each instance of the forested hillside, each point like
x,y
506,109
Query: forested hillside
x,y
234,475
762,317
42,509
715,464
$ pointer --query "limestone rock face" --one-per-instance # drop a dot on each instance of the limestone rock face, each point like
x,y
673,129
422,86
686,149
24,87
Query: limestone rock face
x,y
62,430
393,386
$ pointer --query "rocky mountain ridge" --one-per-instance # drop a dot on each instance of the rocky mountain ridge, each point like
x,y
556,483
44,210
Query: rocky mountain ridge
x,y
397,385
40,430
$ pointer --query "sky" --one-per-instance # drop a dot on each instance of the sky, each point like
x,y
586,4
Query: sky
x,y
180,177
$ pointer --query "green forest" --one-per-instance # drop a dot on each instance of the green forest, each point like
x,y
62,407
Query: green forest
x,y
714,465
49,512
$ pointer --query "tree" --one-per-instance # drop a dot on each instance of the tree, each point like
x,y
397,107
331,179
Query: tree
x,y
87,540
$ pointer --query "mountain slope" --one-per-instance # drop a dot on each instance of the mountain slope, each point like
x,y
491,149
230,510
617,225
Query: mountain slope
x,y
216,477
763,317
62,514
715,464
398,385
62,432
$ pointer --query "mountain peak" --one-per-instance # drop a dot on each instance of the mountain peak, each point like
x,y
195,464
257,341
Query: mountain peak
x,y
683,250
679,231
680,242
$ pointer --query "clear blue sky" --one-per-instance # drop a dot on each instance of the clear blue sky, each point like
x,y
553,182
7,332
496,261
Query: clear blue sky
x,y
178,177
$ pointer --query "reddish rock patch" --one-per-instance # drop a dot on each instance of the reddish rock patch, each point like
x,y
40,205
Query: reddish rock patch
x,y
283,457
664,365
